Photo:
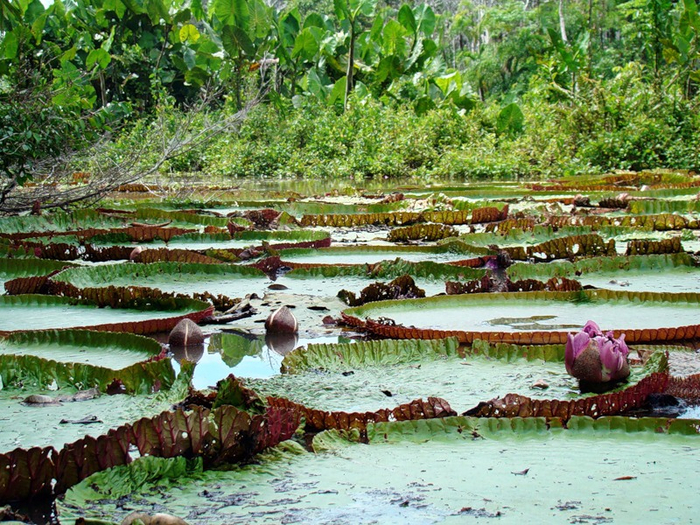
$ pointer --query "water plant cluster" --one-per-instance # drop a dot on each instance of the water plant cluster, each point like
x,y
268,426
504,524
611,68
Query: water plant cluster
x,y
431,345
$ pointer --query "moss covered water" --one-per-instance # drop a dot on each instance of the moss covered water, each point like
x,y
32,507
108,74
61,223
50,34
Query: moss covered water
x,y
448,470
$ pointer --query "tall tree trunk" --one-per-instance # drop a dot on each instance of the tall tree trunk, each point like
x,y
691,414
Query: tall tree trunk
x,y
592,39
562,22
351,66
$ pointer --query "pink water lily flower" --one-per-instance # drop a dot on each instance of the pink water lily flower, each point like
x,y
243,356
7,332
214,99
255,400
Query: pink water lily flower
x,y
596,358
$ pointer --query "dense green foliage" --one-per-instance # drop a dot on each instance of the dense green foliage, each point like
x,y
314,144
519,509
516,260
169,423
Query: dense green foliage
x,y
359,88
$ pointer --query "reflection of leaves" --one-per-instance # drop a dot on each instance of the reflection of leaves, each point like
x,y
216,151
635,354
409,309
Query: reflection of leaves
x,y
234,347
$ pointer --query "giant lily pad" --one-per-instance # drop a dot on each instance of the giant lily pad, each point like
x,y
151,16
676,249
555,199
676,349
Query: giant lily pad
x,y
362,376
35,425
222,435
633,273
13,268
225,279
533,317
346,255
434,471
104,349
21,312
84,359
57,222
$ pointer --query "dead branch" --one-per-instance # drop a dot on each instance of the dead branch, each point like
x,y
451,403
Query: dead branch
x,y
110,168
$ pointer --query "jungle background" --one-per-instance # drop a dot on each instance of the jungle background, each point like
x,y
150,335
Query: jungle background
x,y
110,91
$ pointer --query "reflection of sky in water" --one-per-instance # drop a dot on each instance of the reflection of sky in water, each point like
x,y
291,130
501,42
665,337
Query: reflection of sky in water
x,y
211,368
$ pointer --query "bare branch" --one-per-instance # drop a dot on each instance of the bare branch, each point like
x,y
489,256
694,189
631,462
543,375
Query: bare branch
x,y
54,182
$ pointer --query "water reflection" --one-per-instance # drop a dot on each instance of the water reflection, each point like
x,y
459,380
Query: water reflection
x,y
192,353
281,343
241,354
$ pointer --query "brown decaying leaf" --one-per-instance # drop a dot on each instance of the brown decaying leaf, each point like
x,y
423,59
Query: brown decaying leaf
x,y
140,233
422,232
403,287
648,247
489,214
485,284
174,255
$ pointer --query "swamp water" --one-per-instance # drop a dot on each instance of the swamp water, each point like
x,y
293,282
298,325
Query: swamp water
x,y
438,471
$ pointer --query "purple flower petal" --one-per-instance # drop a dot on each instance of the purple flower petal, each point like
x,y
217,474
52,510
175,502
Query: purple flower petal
x,y
592,329
622,346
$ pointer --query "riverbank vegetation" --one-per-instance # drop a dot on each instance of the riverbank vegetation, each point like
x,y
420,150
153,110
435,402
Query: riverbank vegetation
x,y
352,88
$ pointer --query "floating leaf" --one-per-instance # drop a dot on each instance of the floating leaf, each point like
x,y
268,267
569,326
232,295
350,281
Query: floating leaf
x,y
339,357
403,287
421,232
377,317
515,405
141,377
318,420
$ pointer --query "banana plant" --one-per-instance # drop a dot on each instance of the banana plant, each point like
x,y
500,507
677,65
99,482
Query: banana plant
x,y
351,13
243,27
683,49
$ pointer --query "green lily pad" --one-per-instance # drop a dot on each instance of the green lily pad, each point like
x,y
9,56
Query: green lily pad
x,y
362,354
40,312
360,255
58,222
366,376
13,268
185,278
435,471
533,317
104,349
